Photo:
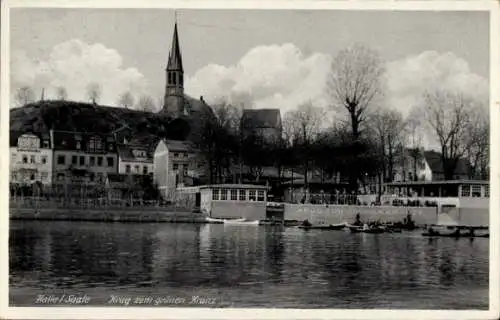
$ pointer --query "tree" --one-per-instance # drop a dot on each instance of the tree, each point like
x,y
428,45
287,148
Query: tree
x,y
306,123
448,116
388,128
23,96
146,103
413,142
62,93
478,153
354,82
94,92
126,100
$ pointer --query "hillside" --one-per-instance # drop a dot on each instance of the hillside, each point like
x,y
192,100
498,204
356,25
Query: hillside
x,y
41,116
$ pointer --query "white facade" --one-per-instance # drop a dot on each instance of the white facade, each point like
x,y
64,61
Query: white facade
x,y
31,160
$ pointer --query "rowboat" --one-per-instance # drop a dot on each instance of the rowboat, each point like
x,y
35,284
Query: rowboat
x,y
340,226
241,222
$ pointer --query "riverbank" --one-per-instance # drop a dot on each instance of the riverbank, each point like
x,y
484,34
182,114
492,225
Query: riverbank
x,y
107,215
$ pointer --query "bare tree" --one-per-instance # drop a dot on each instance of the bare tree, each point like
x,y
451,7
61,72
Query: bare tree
x,y
413,137
355,81
94,92
478,136
126,100
24,95
62,93
146,103
448,117
388,126
306,124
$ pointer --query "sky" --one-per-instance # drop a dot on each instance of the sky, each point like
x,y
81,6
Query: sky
x,y
261,58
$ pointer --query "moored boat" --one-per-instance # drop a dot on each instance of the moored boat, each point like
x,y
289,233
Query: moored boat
x,y
340,226
241,222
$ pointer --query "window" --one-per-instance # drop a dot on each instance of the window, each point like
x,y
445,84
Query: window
x,y
60,176
174,78
82,160
251,195
45,144
44,159
185,171
32,159
95,145
136,167
260,195
61,159
223,194
145,170
242,194
476,190
127,168
110,147
25,159
180,79
92,161
110,161
176,155
78,145
465,190
74,159
99,161
176,166
234,194
215,194
44,176
32,177
13,158
487,191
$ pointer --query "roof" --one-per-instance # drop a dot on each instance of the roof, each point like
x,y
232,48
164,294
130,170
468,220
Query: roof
x,y
176,145
175,57
443,182
125,152
234,186
261,118
433,159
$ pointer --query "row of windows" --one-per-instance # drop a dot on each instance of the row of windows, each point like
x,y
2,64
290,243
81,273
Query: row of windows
x,y
98,176
180,167
43,176
31,159
128,169
238,194
90,160
474,190
180,154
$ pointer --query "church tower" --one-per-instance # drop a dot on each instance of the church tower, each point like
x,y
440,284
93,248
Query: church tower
x,y
173,103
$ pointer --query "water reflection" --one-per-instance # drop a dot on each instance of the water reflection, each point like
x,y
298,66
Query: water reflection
x,y
251,266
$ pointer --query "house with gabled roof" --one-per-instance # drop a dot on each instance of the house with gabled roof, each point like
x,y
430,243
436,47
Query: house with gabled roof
x,y
262,123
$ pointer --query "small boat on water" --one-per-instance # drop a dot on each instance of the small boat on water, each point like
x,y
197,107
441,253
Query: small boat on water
x,y
454,235
366,229
242,221
340,226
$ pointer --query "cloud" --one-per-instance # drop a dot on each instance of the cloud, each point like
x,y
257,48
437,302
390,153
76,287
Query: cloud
x,y
409,78
74,64
274,76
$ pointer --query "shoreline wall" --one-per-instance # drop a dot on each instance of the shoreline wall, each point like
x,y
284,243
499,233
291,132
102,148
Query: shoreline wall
x,y
105,215
335,214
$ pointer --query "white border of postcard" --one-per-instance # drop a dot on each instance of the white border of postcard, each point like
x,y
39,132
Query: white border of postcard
x,y
201,313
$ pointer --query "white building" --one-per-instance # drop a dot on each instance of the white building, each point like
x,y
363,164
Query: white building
x,y
172,160
31,158
134,159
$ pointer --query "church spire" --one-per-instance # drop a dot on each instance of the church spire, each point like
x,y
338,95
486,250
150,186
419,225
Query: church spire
x,y
174,91
175,57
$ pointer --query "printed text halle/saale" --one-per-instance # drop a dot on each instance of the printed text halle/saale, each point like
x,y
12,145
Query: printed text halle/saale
x,y
62,299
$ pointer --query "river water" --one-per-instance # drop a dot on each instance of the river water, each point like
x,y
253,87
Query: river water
x,y
241,266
